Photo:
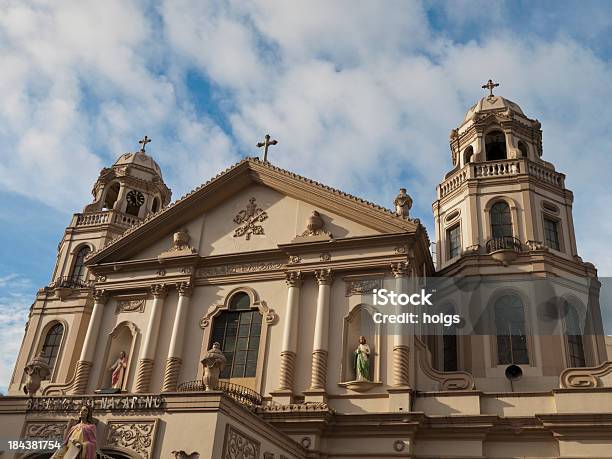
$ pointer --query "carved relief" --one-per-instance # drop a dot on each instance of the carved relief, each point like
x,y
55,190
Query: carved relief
x,y
239,269
362,286
180,245
45,429
294,259
184,455
325,256
294,279
130,305
137,436
238,445
247,220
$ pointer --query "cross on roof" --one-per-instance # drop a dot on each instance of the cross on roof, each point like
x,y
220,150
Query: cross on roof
x,y
144,143
490,85
266,143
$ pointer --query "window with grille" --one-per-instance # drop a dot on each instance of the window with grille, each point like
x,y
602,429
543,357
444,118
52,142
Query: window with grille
x,y
501,220
238,330
453,236
510,327
52,343
551,234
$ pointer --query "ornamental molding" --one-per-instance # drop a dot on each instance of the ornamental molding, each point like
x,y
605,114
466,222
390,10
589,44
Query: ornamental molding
x,y
248,219
136,436
242,268
324,276
599,376
130,305
238,445
45,429
269,315
362,286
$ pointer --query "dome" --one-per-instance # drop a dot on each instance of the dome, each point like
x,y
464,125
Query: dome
x,y
140,159
492,103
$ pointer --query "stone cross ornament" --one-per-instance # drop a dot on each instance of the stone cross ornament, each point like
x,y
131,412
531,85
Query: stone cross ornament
x,y
490,85
266,144
214,363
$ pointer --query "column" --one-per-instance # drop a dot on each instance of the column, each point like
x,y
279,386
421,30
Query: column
x,y
320,346
290,334
149,345
401,337
174,360
83,369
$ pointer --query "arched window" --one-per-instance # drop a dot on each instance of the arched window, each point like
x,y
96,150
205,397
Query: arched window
x,y
523,149
155,205
501,220
78,270
51,345
111,196
510,329
238,330
468,155
573,332
495,146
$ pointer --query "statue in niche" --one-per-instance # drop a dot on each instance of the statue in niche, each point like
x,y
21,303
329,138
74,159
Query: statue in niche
x,y
80,439
403,203
362,360
118,368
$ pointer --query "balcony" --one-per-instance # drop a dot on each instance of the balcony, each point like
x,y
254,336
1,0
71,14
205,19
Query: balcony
x,y
504,168
504,249
241,394
70,282
104,217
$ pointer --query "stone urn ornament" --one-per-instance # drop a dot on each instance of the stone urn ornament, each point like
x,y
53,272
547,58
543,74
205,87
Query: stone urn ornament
x,y
214,363
36,371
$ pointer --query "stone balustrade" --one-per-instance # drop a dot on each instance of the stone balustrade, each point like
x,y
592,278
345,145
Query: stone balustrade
x,y
104,217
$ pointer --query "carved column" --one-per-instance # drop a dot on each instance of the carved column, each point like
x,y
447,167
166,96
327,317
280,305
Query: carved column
x,y
83,369
319,350
289,346
149,345
401,338
174,361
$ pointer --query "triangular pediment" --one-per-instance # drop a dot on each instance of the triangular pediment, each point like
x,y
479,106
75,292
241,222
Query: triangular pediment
x,y
280,203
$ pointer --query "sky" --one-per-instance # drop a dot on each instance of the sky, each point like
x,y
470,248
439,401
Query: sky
x,y
361,95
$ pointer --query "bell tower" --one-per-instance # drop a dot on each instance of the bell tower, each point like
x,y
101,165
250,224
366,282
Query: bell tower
x,y
124,194
503,212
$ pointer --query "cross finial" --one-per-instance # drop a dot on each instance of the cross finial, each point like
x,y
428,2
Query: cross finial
x,y
144,143
266,143
490,85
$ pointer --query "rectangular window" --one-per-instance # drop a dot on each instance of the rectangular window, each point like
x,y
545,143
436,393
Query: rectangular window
x,y
551,234
453,236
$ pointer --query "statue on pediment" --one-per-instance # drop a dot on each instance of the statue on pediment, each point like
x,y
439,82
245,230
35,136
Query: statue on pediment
x,y
403,203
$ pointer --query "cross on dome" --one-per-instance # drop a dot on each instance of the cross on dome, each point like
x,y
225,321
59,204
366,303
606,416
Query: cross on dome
x,y
144,143
490,85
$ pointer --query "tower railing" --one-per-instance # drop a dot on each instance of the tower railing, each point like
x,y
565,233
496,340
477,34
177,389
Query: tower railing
x,y
502,168
104,217
503,243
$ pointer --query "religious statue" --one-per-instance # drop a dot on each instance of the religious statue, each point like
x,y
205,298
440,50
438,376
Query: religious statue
x,y
403,203
118,369
36,370
80,438
214,363
362,360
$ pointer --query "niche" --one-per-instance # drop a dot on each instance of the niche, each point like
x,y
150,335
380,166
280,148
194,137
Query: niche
x,y
359,323
121,339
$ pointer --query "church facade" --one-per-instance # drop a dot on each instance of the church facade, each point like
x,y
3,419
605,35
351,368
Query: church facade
x,y
238,321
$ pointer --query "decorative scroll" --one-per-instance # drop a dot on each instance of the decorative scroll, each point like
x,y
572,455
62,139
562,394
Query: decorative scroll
x,y
109,403
247,220
45,429
238,445
362,286
134,305
137,436
239,269
600,376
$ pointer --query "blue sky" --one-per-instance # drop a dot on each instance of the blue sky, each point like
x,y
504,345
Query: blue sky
x,y
361,95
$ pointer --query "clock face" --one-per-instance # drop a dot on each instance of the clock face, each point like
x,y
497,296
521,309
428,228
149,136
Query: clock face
x,y
135,198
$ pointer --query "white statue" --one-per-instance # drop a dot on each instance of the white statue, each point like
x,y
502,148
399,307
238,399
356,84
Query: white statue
x,y
118,369
362,360
403,203
214,363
